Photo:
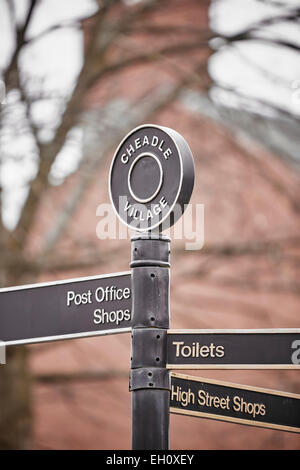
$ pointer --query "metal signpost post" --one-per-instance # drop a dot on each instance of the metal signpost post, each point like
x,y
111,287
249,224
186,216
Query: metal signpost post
x,y
151,181
149,378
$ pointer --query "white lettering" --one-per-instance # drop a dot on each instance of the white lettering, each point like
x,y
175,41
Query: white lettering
x,y
111,293
138,143
124,158
154,141
167,153
79,299
101,316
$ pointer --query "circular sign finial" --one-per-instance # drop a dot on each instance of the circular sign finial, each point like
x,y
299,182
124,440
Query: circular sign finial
x,y
151,178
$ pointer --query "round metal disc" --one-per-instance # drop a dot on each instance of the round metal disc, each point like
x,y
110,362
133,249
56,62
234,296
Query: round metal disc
x,y
151,178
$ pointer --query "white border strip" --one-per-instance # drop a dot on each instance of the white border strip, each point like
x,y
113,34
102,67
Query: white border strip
x,y
171,366
47,339
228,419
251,388
64,281
246,331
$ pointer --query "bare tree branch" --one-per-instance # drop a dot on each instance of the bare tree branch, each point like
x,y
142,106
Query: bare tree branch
x,y
11,74
203,33
271,41
280,4
258,25
52,29
94,69
264,71
67,24
148,57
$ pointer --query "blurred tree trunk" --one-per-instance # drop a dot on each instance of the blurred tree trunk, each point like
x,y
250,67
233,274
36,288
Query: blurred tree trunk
x,y
15,385
15,410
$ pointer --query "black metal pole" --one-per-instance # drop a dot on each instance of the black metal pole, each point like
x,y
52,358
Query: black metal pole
x,y
149,378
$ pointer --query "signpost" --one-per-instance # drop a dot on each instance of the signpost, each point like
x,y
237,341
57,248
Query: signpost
x,y
233,349
205,398
74,308
150,183
151,178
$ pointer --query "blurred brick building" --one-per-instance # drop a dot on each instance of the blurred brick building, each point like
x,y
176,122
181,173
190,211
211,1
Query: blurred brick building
x,y
238,280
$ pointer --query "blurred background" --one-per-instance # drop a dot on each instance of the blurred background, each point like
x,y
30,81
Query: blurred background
x,y
76,76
